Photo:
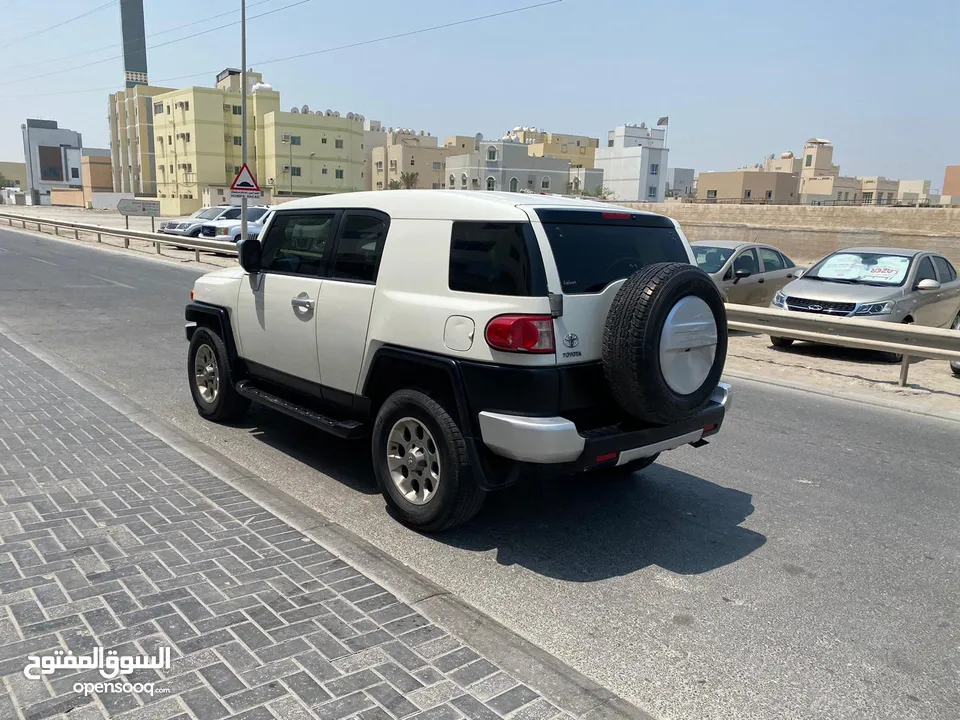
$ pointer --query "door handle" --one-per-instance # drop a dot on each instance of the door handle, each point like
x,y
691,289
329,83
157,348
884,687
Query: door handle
x,y
789,277
302,304
760,281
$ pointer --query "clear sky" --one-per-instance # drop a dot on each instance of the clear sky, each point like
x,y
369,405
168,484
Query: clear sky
x,y
739,80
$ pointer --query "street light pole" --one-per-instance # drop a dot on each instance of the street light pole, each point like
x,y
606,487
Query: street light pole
x,y
243,110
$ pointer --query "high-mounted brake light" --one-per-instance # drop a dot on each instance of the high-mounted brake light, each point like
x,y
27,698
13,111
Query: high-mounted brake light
x,y
610,215
521,333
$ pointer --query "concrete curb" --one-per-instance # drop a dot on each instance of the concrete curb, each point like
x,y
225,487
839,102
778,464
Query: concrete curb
x,y
565,687
848,397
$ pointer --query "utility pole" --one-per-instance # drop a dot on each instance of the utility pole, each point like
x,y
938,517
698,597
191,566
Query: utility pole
x,y
243,110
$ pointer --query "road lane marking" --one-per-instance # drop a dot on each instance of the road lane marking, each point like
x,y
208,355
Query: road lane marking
x,y
45,262
113,282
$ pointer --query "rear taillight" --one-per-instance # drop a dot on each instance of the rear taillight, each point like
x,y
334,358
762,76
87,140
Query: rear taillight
x,y
521,333
610,215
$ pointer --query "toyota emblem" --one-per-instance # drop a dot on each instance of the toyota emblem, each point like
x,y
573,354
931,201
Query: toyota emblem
x,y
571,340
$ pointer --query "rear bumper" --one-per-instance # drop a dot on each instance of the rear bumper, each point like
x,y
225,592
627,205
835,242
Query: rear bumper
x,y
556,440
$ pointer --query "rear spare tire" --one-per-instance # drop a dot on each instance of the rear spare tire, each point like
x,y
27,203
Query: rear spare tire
x,y
665,342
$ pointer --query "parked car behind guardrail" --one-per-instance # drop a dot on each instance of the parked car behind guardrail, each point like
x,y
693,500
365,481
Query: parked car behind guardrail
x,y
746,273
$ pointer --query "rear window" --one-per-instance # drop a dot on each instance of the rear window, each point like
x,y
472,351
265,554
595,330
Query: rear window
x,y
593,249
496,259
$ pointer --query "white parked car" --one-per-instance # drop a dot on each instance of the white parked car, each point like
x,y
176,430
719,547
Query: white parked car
x,y
468,335
229,228
190,226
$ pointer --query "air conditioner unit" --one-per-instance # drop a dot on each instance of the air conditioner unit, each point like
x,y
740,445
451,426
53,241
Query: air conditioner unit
x,y
227,107
181,135
285,138
286,168
228,137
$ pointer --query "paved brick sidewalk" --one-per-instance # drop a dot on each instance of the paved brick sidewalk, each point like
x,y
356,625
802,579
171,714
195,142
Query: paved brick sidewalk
x,y
111,538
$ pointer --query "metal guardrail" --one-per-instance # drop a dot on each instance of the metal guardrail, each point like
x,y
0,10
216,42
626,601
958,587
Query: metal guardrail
x,y
911,341
159,240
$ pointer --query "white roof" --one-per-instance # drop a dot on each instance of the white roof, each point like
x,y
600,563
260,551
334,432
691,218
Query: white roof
x,y
448,204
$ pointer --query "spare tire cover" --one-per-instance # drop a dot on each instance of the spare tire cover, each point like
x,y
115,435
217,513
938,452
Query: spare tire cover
x,y
665,342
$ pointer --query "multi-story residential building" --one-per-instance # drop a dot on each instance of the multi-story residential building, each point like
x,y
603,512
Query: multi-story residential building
x,y
506,165
297,153
132,140
748,185
634,163
409,159
374,136
52,157
680,182
951,181
579,150
785,162
878,190
916,192
15,174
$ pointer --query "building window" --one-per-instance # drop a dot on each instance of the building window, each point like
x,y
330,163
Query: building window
x,y
463,180
379,186
379,165
170,139
75,173
578,143
186,105
412,162
236,169
654,169
563,148
711,194
168,109
237,139
437,166
746,194
514,185
393,164
491,183
323,172
294,171
839,195
808,161
769,195
583,151
338,144
846,196
323,141
609,143
492,154
652,191
338,174
158,108
237,109
171,168
545,183
186,137
453,181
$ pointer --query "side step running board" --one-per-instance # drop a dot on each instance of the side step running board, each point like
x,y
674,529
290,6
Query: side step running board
x,y
341,428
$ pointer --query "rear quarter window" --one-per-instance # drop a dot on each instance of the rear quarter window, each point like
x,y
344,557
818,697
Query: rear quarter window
x,y
496,259
593,249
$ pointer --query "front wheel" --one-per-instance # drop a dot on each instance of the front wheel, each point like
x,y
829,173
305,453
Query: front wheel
x,y
780,342
209,377
421,464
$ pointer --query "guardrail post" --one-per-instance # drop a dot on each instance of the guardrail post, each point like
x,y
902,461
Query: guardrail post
x,y
76,234
56,230
904,369
196,255
98,237
157,243
126,242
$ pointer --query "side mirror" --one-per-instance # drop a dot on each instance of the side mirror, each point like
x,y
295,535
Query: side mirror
x,y
928,285
248,253
799,273
740,275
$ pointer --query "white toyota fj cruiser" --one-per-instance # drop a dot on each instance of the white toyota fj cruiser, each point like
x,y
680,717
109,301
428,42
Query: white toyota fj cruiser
x,y
469,334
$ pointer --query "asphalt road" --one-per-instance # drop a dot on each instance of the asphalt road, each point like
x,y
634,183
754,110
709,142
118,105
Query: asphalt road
x,y
805,564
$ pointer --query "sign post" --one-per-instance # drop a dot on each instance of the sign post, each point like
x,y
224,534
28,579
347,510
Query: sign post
x,y
139,208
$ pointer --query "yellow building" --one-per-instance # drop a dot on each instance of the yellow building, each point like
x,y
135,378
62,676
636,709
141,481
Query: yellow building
x,y
132,145
410,159
291,154
579,150
15,173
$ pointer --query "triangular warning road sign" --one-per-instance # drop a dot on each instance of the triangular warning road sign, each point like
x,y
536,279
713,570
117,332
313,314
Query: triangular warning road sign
x,y
245,182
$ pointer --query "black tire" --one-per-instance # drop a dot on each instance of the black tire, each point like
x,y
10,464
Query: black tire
x,y
624,471
631,341
458,497
779,342
195,233
955,367
228,404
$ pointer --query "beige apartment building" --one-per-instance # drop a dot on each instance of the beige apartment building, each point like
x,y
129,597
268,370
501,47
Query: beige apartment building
x,y
132,145
15,173
578,150
748,185
297,153
411,159
784,162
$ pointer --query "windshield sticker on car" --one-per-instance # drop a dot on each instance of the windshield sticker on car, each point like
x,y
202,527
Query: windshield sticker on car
x,y
886,269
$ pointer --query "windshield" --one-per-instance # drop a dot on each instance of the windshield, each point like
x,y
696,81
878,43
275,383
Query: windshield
x,y
863,268
594,249
254,214
208,213
711,259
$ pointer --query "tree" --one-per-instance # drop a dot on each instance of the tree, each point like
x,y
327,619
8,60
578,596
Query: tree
x,y
409,180
394,185
5,182
602,192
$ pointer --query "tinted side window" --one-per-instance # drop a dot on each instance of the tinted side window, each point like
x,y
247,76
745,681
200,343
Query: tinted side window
x,y
495,259
771,260
787,262
231,214
358,251
925,271
747,260
947,273
299,244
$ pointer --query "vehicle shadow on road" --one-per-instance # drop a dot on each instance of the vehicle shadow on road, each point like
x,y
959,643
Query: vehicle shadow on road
x,y
583,530
346,461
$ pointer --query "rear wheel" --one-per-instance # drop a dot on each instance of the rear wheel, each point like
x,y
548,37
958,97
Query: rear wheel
x,y
780,342
420,461
955,364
